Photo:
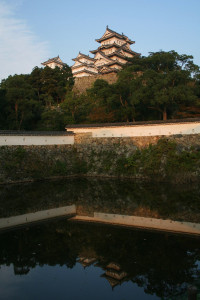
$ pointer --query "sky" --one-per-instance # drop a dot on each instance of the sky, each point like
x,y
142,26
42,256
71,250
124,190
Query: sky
x,y
32,31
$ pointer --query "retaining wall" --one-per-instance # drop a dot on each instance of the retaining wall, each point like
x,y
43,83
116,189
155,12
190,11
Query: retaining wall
x,y
92,153
83,83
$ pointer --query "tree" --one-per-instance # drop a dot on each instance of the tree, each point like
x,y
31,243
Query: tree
x,y
162,81
76,107
108,102
3,106
25,99
21,109
51,85
53,119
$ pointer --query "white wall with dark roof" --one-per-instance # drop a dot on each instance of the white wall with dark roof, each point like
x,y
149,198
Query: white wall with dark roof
x,y
140,130
30,140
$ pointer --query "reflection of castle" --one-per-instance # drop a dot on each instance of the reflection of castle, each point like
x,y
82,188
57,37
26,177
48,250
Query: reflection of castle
x,y
86,262
113,272
21,270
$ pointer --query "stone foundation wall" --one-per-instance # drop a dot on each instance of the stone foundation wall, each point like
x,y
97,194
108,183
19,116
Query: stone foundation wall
x,y
174,158
83,83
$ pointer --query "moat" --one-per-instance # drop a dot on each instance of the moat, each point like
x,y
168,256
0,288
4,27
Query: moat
x,y
63,258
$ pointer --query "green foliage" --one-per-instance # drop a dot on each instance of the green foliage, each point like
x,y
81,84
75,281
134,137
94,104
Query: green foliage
x,y
60,168
3,104
161,161
152,87
52,119
158,86
162,81
25,99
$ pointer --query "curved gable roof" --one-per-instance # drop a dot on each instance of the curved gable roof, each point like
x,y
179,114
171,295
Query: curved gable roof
x,y
111,33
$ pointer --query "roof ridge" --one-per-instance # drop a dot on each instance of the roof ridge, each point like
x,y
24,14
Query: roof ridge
x,y
115,32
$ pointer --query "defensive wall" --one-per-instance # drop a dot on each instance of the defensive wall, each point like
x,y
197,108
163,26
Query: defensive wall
x,y
107,150
83,83
28,138
138,129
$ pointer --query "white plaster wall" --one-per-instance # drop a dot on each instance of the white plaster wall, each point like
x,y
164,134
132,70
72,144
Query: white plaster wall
x,y
53,65
77,63
78,69
98,56
85,60
129,55
139,130
82,68
82,74
82,59
100,62
116,66
18,140
128,45
112,40
108,51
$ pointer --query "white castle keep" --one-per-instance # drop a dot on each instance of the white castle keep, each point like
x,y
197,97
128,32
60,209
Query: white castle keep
x,y
113,52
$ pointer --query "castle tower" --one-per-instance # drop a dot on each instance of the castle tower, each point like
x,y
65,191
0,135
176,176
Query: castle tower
x,y
113,52
83,66
54,62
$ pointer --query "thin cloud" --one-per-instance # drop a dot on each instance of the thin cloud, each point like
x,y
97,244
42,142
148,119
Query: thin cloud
x,y
20,50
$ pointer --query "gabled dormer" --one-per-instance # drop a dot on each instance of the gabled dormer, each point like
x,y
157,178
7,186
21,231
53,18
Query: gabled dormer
x,y
111,36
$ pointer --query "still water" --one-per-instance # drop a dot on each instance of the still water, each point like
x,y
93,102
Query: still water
x,y
65,259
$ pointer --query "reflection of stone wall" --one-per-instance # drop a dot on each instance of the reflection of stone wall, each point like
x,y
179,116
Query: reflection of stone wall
x,y
84,83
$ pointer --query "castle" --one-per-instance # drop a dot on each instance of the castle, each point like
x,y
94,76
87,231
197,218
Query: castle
x,y
53,62
113,52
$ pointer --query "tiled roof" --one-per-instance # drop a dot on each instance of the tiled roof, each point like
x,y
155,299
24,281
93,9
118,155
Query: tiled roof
x,y
85,71
118,54
54,59
105,47
122,47
83,64
195,120
82,55
114,62
34,133
104,55
114,33
108,70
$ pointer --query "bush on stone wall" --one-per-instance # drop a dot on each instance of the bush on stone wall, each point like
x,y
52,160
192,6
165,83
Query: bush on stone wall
x,y
162,161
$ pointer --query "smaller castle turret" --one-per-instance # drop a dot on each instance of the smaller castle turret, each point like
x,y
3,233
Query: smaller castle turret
x,y
53,62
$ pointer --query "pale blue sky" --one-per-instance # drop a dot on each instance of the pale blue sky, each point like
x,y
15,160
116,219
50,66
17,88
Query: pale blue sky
x,y
33,31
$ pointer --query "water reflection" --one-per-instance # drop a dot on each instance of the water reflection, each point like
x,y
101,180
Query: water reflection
x,y
109,196
127,261
161,264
